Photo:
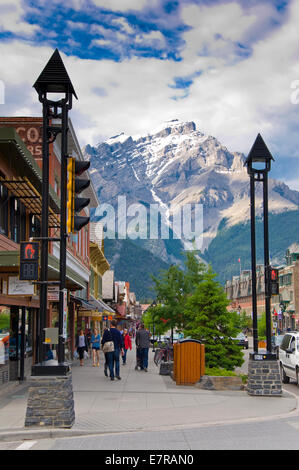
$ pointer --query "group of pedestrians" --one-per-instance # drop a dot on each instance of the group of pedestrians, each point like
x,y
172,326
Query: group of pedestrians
x,y
114,345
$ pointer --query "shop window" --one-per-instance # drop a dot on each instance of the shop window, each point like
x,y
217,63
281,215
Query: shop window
x,y
15,219
3,208
34,226
23,223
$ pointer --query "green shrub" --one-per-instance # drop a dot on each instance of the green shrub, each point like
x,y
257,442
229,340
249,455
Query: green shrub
x,y
218,372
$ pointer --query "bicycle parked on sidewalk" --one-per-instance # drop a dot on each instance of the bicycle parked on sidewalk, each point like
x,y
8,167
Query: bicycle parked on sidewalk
x,y
164,354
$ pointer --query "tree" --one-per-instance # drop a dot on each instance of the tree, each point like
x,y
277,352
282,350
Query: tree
x,y
207,319
154,316
174,286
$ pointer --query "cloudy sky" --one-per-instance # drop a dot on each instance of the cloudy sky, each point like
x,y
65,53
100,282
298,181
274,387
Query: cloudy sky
x,y
232,67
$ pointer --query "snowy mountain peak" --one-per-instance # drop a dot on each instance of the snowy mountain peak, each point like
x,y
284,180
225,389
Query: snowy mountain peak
x,y
175,165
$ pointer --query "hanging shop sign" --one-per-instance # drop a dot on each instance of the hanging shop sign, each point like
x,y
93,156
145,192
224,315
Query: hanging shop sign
x,y
17,287
53,293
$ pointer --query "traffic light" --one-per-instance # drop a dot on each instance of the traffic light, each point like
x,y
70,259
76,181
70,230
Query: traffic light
x,y
75,186
273,281
29,254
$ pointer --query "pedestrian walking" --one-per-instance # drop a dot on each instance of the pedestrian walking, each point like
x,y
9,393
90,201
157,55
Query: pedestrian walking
x,y
143,344
95,342
114,336
127,345
82,346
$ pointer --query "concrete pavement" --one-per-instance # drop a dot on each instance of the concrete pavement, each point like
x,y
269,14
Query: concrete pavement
x,y
140,402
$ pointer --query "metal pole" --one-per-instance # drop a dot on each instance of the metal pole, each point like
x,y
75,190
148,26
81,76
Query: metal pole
x,y
63,235
44,232
266,262
253,264
22,358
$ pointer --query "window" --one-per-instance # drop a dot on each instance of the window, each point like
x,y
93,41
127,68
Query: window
x,y
15,219
34,226
285,342
3,208
292,344
23,223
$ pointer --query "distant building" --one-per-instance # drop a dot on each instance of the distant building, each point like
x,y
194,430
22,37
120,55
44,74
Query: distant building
x,y
284,307
239,291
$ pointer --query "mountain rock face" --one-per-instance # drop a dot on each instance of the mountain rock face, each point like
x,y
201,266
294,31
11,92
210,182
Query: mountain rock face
x,y
177,165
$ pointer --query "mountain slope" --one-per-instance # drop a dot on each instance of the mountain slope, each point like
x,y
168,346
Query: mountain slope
x,y
174,167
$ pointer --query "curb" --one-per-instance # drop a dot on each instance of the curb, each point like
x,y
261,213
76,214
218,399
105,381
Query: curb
x,y
10,435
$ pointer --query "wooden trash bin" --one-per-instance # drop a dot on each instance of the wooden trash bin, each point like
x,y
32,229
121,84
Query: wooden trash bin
x,y
188,362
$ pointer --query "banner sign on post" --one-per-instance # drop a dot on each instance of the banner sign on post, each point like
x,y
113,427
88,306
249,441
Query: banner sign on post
x,y
64,332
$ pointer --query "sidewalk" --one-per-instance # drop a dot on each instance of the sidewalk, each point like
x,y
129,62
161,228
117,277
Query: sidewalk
x,y
139,402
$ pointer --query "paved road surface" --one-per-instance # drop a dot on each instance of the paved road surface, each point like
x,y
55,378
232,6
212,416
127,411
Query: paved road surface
x,y
148,411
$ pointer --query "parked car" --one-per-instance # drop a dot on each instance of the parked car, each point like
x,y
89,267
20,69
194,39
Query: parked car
x,y
289,357
242,340
276,341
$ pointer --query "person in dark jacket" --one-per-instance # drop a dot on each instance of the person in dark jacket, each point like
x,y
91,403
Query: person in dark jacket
x,y
143,344
112,358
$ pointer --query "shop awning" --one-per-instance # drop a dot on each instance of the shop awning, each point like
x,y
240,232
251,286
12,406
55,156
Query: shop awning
x,y
24,190
101,305
83,304
92,305
10,262
23,165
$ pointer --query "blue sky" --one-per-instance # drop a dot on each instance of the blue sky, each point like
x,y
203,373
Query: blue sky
x,y
227,65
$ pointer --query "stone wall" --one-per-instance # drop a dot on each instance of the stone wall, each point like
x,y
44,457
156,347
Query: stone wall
x,y
50,402
264,378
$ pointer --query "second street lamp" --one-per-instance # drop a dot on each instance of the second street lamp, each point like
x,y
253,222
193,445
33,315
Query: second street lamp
x,y
263,368
258,166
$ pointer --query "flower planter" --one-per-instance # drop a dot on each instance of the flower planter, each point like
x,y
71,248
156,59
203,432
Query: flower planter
x,y
212,382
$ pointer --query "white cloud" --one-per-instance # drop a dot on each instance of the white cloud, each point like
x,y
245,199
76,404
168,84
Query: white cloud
x,y
123,5
11,18
232,99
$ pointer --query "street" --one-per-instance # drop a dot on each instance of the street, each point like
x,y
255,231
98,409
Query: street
x,y
149,412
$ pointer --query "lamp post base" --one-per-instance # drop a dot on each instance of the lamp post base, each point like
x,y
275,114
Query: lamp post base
x,y
50,401
43,369
264,375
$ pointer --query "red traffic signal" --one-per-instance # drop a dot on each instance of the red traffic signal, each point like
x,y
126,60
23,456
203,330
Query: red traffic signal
x,y
274,274
29,251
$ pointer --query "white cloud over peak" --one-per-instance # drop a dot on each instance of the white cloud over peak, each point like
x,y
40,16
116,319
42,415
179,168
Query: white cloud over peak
x,y
234,77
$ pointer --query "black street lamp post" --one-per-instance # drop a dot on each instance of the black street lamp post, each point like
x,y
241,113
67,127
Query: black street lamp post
x,y
263,368
258,166
53,79
56,381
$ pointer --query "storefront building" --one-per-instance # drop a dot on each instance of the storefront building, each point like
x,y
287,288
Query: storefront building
x,y
285,310
20,216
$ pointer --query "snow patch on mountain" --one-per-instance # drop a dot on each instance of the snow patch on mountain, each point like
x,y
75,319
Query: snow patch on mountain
x,y
176,164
